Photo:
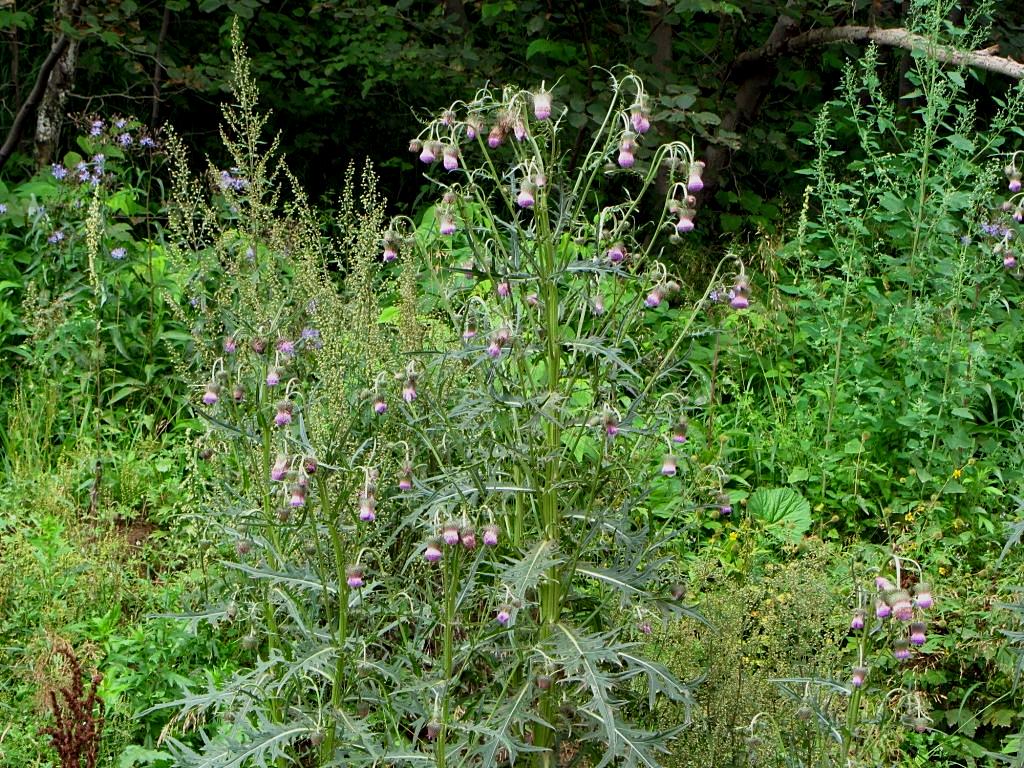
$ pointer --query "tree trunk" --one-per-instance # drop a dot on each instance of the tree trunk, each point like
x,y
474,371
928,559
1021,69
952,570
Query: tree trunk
x,y
50,117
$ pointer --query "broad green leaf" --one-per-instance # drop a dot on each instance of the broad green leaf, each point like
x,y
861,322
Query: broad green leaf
x,y
785,513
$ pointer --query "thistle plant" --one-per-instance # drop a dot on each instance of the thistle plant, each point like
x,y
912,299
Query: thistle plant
x,y
435,521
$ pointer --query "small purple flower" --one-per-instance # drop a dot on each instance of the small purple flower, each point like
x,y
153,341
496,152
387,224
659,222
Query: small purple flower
x,y
118,253
653,299
390,253
279,471
495,137
917,633
450,534
858,676
273,376
119,123
405,479
645,627
626,158
685,223
542,105
616,253
147,142
3,208
882,584
901,649
519,130
1009,261
212,394
447,224
96,128
298,497
532,299
283,417
230,345
882,609
490,535
525,197
427,154
695,183
286,347
367,508
354,577
739,301
923,596
59,171
1014,185
125,140
857,622
433,552
468,537
611,426
668,465
503,289
409,390
494,349
56,237
641,123
451,158
503,616
380,406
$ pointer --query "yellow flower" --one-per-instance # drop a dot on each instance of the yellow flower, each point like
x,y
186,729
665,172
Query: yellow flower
x,y
733,536
957,473
909,517
942,570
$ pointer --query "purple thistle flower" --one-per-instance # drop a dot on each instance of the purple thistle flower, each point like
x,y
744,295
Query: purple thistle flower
x,y
519,130
532,299
653,299
470,332
409,390
542,105
238,394
525,197
901,649
433,552
503,289
641,123
679,431
901,606
280,469
367,507
354,576
118,253
626,158
380,406
451,158
882,584
858,676
447,224
857,622
1009,261
473,128
468,537
125,140
695,183
96,128
685,223
230,345
286,347
390,253
283,417
923,596
450,534
882,609
598,305
503,616
645,627
668,465
273,376
494,349
917,634
495,137
59,171
427,154
490,535
616,253
405,480
298,497
212,394
739,301
1014,185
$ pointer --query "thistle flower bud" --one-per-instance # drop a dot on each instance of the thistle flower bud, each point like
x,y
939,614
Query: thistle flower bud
x,y
598,305
298,496
685,223
310,465
409,389
473,128
447,224
617,253
857,622
899,601
367,507
450,534
503,616
542,104
626,158
283,416
238,393
503,289
525,197
280,469
405,478
678,591
519,129
243,547
259,346
639,119
212,393
468,537
923,595
390,249
917,633
695,183
447,118
882,584
610,423
250,641
415,146
494,349
274,376
433,551
380,405
429,152
901,649
919,723
230,345
668,465
450,157
544,682
490,535
724,504
679,430
882,609
858,676
496,136
1014,185
532,299
286,347
654,298
469,332
1009,260
354,576
433,730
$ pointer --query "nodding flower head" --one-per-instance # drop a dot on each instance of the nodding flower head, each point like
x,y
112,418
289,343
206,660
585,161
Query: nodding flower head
x,y
532,299
490,535
415,146
468,537
685,222
405,477
450,157
626,148
469,332
258,345
739,294
380,405
695,183
433,551
473,128
450,534
882,584
899,601
882,609
496,136
639,119
1009,260
283,416
274,376
598,305
310,465
390,249
857,622
542,104
298,497
409,389
238,393
354,576
1014,185
447,224
610,424
212,393
668,465
724,504
901,649
503,289
519,129
923,595
617,253
367,507
654,298
494,349
286,347
280,469
429,152
859,675
679,430
503,616
525,197
230,345
917,634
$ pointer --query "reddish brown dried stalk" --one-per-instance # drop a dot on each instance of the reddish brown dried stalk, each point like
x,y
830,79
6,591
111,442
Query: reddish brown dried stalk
x,y
78,723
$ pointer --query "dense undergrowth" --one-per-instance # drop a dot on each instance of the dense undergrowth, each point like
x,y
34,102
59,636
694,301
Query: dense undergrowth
x,y
520,478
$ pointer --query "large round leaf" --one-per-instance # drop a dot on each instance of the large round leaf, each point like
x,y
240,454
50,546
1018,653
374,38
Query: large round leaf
x,y
785,514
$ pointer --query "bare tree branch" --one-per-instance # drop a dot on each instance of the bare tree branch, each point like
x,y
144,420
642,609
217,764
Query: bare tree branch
x,y
896,38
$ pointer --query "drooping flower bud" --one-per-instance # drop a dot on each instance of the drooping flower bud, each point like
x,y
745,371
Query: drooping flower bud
x,y
1009,260
280,469
598,304
923,595
469,332
857,622
724,504
415,146
450,534
496,136
899,601
310,465
380,405
610,423
468,537
679,430
409,389
525,197
390,248
685,223
641,122
258,345
450,157
544,682
429,152
901,649
367,507
283,416
354,576
433,730
654,298
542,104
473,128
503,289
447,224
695,183
298,496
274,376
491,535
405,478
519,129
617,253
230,345
858,676
882,584
238,393
739,294
626,148
503,616
917,632
212,393
433,551
532,299
882,609
668,465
